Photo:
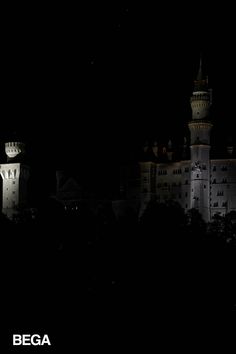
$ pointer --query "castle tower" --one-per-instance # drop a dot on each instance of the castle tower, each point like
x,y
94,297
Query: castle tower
x,y
14,176
200,128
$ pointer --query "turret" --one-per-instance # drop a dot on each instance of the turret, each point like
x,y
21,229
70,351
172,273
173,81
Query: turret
x,y
15,177
230,147
201,99
169,151
155,148
200,128
14,149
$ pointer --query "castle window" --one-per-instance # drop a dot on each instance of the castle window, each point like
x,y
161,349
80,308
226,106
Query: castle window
x,y
186,182
224,180
13,192
220,193
197,176
186,206
162,172
186,169
214,181
224,204
215,204
204,167
224,168
177,172
204,186
214,168
186,194
13,182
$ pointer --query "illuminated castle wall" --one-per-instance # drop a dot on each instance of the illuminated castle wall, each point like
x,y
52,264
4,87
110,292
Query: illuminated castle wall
x,y
15,177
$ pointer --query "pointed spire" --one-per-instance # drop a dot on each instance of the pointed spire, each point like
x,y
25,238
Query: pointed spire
x,y
200,75
201,82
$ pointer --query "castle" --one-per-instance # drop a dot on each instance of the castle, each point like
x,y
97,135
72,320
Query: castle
x,y
196,180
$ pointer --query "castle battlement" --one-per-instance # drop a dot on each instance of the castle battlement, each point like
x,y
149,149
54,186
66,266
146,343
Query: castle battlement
x,y
12,149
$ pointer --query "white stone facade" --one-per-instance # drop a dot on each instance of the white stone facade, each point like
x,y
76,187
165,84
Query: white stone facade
x,y
15,177
179,182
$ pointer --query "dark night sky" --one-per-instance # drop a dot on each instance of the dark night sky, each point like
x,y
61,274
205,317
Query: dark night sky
x,y
85,85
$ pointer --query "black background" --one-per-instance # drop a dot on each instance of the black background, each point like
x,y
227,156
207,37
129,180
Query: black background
x,y
86,86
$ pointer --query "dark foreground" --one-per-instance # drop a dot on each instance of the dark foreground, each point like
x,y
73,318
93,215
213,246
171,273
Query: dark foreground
x,y
165,279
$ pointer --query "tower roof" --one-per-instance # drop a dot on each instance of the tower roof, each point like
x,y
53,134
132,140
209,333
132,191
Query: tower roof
x,y
200,74
201,82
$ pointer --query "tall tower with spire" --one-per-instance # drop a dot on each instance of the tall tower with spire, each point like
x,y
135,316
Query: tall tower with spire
x,y
200,127
15,176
